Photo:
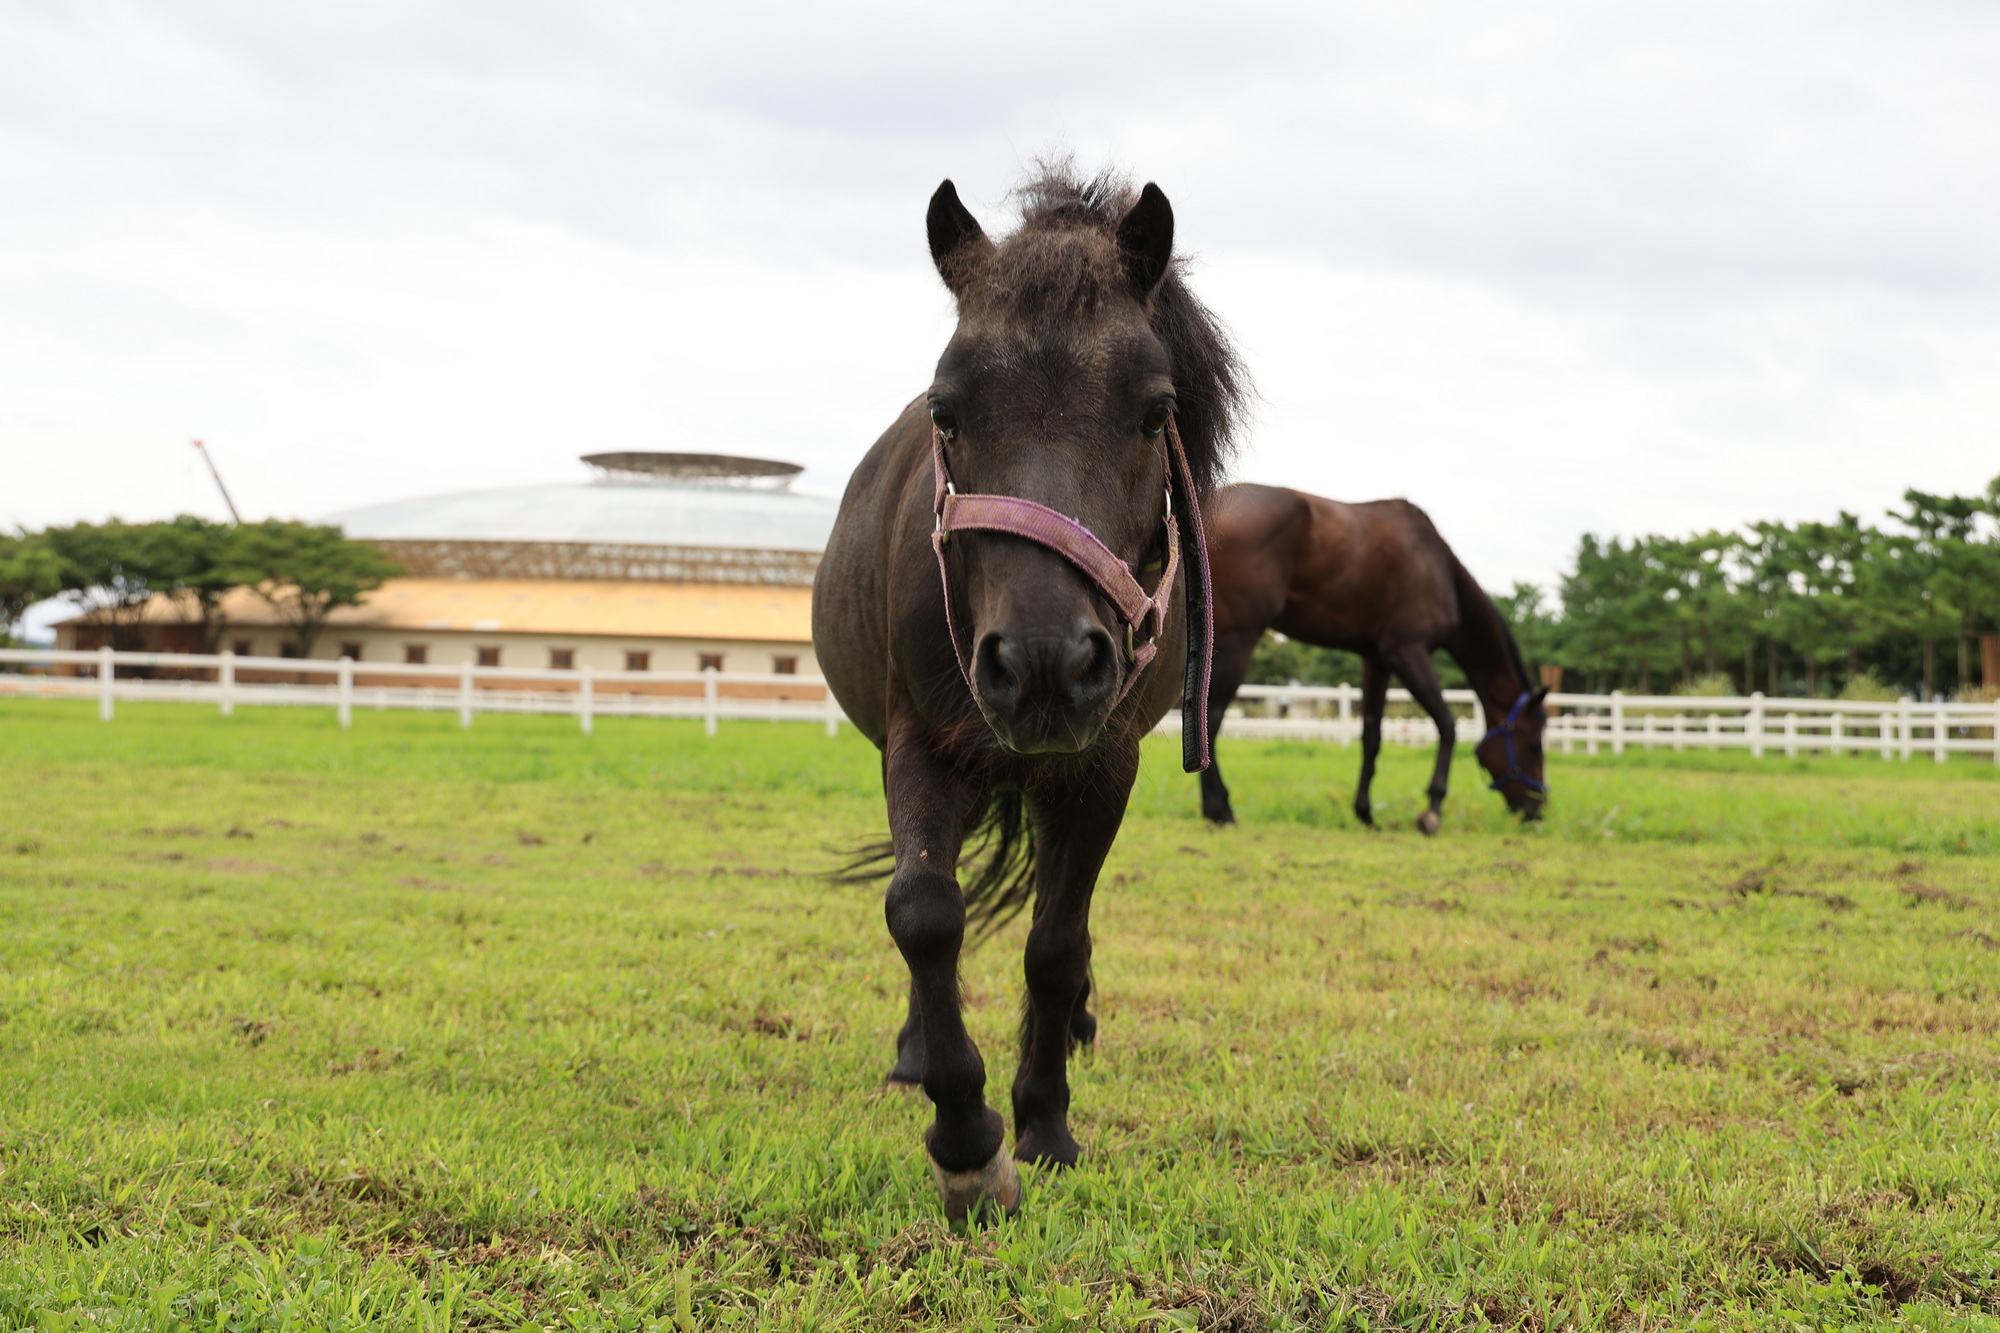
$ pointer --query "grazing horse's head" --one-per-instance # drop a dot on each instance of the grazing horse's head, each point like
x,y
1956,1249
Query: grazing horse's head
x,y
1512,753
1075,346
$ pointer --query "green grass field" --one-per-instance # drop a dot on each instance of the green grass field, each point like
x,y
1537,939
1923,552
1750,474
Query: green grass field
x,y
410,1027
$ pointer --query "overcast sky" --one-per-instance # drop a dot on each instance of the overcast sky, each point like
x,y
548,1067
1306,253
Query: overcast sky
x,y
1543,269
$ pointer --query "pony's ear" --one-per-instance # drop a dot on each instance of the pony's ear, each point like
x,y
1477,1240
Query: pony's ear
x,y
1541,694
956,240
1146,239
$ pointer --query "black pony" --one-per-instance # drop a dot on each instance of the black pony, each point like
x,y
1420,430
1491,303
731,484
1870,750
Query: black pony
x,y
1004,609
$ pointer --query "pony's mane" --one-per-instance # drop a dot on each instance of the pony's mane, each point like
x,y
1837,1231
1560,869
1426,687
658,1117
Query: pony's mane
x,y
1063,261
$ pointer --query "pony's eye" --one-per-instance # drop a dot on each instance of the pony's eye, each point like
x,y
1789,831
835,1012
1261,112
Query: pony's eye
x,y
945,421
1155,419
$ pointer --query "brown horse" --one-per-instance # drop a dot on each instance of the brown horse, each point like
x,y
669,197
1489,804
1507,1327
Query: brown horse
x,y
1005,608
1377,580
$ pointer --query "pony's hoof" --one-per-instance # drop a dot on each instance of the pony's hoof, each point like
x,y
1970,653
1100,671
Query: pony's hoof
x,y
995,1187
1428,821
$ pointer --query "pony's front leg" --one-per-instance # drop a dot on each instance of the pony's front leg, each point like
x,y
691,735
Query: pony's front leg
x,y
929,805
1076,819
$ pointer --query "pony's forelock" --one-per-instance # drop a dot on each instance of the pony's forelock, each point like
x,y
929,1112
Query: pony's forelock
x,y
1063,260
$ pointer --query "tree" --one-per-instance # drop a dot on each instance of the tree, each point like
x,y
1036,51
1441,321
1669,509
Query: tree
x,y
113,569
305,572
29,573
199,559
1962,565
1278,660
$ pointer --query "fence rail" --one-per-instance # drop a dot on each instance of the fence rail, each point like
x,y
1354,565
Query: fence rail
x,y
466,689
1901,729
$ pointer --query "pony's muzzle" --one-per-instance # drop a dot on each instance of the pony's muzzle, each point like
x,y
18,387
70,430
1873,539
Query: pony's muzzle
x,y
1047,693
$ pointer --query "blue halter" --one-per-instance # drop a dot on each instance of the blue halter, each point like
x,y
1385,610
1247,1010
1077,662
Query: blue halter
x,y
1505,731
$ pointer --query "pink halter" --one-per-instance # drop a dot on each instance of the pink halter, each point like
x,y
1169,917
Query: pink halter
x,y
1144,616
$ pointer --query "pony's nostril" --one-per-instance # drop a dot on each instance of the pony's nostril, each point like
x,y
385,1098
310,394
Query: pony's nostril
x,y
1090,667
999,669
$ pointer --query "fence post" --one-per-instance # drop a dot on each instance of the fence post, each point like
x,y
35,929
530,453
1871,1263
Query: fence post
x,y
1940,735
1791,735
107,672
1833,735
1903,729
1345,699
1753,722
832,715
1618,722
1996,731
227,678
583,701
344,693
465,695
708,675
1715,731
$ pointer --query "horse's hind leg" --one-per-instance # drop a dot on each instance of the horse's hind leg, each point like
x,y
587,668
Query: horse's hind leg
x,y
1374,699
1414,666
1076,821
929,806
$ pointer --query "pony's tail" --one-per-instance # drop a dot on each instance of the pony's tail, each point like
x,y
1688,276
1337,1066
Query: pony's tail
x,y
996,870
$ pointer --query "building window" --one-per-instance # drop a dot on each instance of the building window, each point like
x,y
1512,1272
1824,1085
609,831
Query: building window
x,y
784,666
243,648
711,661
288,650
416,654
638,661
562,659
351,651
489,657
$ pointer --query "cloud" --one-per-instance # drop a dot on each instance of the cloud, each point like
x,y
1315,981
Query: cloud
x,y
1542,268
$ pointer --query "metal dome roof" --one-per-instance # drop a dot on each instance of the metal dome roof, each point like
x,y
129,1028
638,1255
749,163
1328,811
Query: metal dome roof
x,y
717,510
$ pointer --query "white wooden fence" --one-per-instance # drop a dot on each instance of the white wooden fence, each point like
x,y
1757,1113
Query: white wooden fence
x,y
1590,722
1586,722
466,689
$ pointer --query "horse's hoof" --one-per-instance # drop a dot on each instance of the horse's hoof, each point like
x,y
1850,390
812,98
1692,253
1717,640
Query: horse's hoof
x,y
1428,821
980,1191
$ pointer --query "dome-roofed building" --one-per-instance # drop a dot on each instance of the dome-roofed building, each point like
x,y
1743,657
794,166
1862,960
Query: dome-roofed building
x,y
706,518
659,562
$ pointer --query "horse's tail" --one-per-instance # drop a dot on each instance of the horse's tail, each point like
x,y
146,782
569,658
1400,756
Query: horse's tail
x,y
996,869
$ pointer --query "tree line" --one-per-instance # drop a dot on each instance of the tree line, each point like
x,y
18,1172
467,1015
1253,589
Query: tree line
x,y
302,571
1812,608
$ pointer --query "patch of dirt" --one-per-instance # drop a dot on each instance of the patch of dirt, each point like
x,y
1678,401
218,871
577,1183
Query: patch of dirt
x,y
252,1031
238,831
242,866
527,839
1924,893
1762,881
371,1060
